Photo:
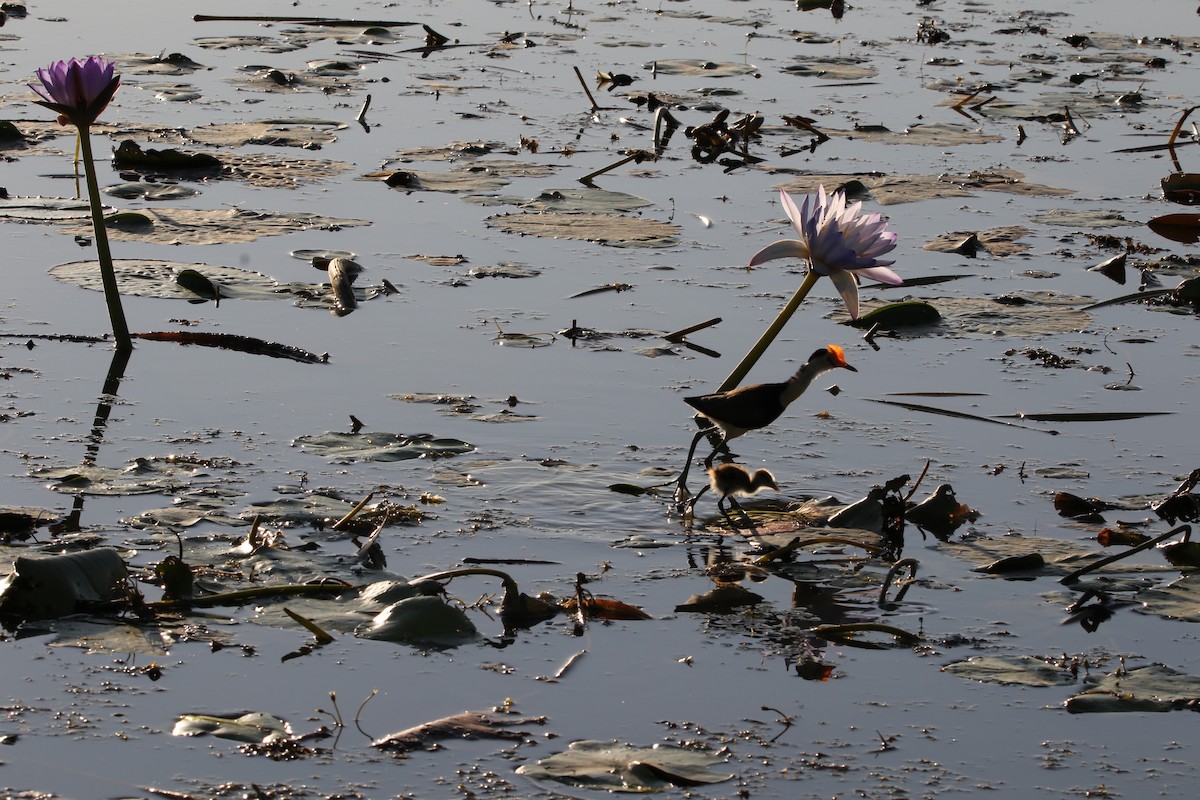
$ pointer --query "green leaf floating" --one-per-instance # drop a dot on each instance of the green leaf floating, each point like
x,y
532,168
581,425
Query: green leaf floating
x,y
905,314
380,446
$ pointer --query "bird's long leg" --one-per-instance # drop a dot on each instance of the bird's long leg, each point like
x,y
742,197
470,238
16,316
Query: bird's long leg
x,y
708,461
691,504
681,490
721,507
742,511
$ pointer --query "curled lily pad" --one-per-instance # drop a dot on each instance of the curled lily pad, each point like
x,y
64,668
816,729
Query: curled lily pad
x,y
893,316
421,620
624,768
695,67
252,728
52,586
998,242
379,446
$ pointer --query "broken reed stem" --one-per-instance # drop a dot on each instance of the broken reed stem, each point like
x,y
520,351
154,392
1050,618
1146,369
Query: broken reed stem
x,y
587,179
586,90
362,112
1187,112
1067,580
352,513
675,336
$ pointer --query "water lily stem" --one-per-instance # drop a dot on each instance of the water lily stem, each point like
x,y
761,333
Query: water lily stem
x,y
108,275
770,333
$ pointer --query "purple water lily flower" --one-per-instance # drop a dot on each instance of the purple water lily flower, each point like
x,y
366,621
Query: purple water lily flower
x,y
78,90
836,241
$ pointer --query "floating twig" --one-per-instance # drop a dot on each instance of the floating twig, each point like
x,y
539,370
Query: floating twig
x,y
1067,580
328,21
677,336
586,90
958,415
911,563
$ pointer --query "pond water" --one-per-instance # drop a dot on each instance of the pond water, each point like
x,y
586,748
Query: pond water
x,y
84,717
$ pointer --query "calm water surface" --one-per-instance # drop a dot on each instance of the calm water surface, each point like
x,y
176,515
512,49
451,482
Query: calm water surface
x,y
90,727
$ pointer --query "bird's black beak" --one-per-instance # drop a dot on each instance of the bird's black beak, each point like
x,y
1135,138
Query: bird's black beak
x,y
852,369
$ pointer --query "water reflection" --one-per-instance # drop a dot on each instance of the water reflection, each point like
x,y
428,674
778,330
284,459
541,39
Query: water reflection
x,y
108,395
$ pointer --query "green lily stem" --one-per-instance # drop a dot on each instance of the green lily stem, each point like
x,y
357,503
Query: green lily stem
x,y
108,276
764,341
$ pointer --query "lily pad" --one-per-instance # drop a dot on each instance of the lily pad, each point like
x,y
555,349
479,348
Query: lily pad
x,y
624,768
150,191
608,229
1011,670
1153,688
891,189
379,446
46,209
1083,219
306,133
585,199
999,242
1179,600
833,68
693,67
153,278
223,226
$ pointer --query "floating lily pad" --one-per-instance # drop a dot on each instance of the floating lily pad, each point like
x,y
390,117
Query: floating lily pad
x,y
1153,688
833,68
693,67
609,229
142,476
1027,314
151,191
1011,670
223,226
891,189
584,199
1083,219
379,446
623,768
306,133
46,209
153,278
157,64
999,242
1179,600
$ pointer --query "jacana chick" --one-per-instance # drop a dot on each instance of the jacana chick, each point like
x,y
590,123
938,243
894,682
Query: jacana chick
x,y
752,407
731,481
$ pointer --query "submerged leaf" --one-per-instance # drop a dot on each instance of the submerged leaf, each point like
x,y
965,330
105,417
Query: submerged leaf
x,y
380,446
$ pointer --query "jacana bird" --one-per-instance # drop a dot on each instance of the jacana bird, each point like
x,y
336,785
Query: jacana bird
x,y
731,481
749,408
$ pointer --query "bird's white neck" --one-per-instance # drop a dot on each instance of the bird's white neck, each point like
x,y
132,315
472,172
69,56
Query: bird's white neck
x,y
803,378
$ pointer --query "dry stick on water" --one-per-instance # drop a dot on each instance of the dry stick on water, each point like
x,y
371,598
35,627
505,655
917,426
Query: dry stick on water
x,y
352,513
677,336
1067,580
586,90
637,155
362,112
911,563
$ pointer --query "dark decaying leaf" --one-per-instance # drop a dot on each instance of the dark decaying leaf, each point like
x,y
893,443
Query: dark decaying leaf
x,y
420,621
601,608
53,586
895,316
1184,228
468,725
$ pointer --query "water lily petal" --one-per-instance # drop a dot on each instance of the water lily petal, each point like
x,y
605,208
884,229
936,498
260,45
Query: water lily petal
x,y
881,274
785,248
847,287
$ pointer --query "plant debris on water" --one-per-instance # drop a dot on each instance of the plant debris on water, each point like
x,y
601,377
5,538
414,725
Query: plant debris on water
x,y
263,531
